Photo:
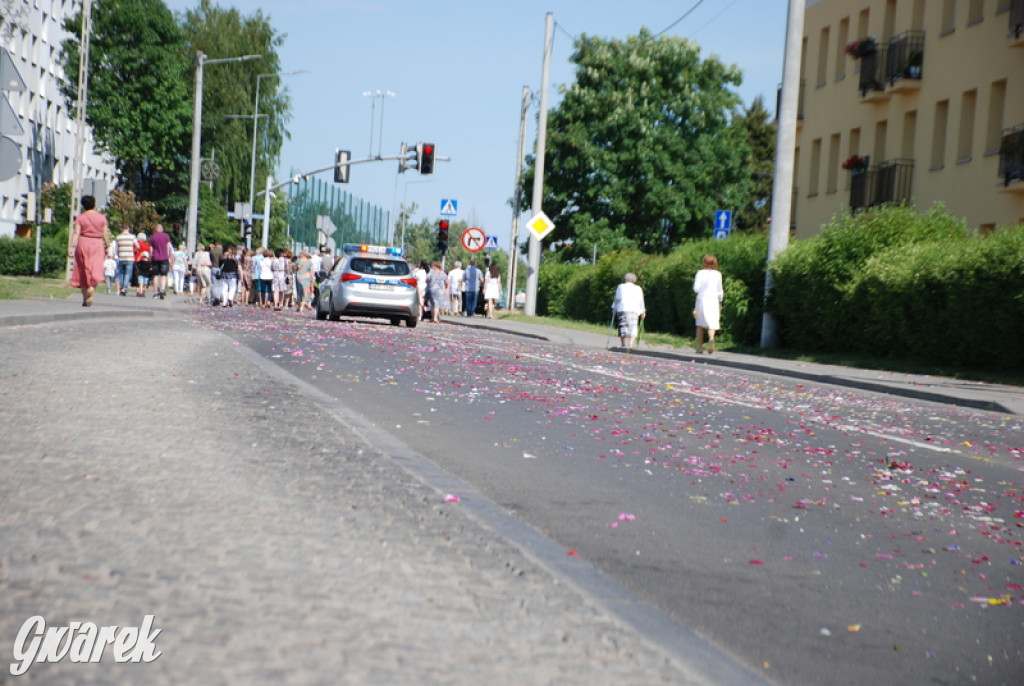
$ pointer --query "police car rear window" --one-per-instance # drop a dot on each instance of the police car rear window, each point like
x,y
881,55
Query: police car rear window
x,y
365,265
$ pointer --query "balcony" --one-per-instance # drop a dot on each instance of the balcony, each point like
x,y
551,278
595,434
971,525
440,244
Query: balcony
x,y
889,182
872,76
799,102
904,60
1016,28
1011,160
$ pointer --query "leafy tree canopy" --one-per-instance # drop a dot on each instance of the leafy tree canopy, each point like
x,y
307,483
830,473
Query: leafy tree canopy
x,y
229,91
643,147
138,105
760,166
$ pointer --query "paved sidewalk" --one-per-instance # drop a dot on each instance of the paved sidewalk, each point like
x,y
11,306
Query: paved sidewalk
x,y
150,466
973,394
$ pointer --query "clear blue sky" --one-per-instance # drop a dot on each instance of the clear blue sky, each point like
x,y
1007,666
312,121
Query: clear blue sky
x,y
457,68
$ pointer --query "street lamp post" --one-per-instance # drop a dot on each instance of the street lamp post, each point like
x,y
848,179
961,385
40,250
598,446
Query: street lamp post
x,y
197,123
255,122
377,94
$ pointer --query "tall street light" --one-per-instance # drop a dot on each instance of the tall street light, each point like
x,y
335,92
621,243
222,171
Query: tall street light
x,y
377,94
255,122
197,124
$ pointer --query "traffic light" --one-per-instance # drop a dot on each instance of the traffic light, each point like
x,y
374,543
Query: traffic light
x,y
442,236
341,167
425,157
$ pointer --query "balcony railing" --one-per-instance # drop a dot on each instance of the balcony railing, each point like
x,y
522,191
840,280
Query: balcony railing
x,y
871,71
799,100
1011,155
904,57
891,181
1016,18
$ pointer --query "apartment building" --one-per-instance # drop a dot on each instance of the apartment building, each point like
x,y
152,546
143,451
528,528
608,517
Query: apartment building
x,y
918,100
44,148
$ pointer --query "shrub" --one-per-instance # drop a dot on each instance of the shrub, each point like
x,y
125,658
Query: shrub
x,y
813,277
585,292
949,302
552,280
18,255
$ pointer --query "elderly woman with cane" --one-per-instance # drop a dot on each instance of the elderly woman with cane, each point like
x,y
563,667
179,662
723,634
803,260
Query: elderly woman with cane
x,y
629,309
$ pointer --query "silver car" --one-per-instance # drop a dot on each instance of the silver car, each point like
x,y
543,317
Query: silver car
x,y
370,281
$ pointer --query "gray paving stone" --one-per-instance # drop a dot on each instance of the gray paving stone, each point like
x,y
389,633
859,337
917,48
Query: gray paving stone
x,y
147,468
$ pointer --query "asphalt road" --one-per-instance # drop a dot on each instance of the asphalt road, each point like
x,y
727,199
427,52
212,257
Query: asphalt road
x,y
821,535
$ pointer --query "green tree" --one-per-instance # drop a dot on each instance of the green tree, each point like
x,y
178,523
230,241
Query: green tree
x,y
760,165
230,90
643,147
138,107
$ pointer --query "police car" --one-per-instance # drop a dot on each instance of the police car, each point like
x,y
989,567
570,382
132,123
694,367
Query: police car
x,y
370,281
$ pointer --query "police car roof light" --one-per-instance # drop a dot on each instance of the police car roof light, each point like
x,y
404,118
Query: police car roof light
x,y
375,249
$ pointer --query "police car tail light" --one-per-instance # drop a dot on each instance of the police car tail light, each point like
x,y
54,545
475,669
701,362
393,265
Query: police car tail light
x,y
409,282
349,276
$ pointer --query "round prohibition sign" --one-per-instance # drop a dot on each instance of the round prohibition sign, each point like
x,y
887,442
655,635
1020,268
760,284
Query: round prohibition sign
x,y
474,239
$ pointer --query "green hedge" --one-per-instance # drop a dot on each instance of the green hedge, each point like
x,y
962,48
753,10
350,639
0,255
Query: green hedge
x,y
952,302
18,256
585,292
814,278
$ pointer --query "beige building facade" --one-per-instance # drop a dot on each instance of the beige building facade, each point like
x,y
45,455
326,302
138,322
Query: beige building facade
x,y
918,100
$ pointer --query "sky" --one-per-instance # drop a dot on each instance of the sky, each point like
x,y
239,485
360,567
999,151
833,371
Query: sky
x,y
457,69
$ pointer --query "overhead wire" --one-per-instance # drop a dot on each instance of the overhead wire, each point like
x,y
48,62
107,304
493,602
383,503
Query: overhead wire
x,y
712,19
688,13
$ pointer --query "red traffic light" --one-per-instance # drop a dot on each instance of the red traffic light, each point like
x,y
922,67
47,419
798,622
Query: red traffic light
x,y
443,225
425,158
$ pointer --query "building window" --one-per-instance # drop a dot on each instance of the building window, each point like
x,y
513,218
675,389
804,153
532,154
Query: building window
x,y
881,140
812,182
948,17
939,134
996,105
975,11
968,104
909,135
841,40
889,20
833,164
823,58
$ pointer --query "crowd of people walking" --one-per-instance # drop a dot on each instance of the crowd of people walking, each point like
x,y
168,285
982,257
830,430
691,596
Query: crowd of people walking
x,y
220,276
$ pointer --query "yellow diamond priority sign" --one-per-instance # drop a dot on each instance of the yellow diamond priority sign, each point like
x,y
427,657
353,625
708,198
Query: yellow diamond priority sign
x,y
540,226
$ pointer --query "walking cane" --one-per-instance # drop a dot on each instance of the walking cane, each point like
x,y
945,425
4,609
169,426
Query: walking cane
x,y
639,332
611,328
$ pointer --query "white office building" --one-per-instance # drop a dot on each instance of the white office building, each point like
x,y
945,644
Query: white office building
x,y
44,149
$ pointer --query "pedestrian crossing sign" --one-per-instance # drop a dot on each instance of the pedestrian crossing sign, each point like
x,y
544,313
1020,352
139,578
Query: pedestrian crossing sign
x,y
492,243
449,208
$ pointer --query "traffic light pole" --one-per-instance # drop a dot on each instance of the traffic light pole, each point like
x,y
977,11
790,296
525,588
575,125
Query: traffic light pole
x,y
305,175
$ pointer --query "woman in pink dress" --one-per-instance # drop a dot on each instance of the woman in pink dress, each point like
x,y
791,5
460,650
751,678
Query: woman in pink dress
x,y
89,243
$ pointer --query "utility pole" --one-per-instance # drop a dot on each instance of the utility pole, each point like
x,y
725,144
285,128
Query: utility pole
x,y
513,250
538,166
785,149
83,99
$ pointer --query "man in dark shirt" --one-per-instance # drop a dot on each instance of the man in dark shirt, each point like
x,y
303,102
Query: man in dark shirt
x,y
161,249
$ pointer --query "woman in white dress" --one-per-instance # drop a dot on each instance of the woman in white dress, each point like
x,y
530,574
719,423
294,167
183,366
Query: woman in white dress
x,y
708,311
492,290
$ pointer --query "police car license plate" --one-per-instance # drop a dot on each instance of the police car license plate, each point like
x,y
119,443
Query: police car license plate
x,y
381,287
